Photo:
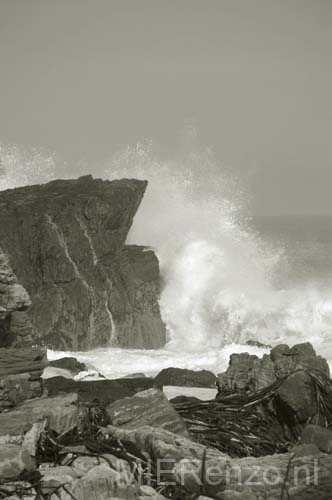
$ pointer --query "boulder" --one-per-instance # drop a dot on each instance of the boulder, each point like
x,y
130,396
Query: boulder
x,y
61,413
186,378
296,398
88,288
318,436
249,373
14,461
70,364
106,391
149,407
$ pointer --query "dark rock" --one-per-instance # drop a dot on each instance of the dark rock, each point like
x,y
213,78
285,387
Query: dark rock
x,y
296,398
184,399
318,436
88,289
248,373
256,343
15,326
149,407
20,375
106,391
71,364
186,378
135,375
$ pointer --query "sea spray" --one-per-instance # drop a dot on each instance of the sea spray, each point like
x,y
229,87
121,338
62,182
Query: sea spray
x,y
219,276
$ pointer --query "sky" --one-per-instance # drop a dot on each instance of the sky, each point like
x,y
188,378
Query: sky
x,y
83,78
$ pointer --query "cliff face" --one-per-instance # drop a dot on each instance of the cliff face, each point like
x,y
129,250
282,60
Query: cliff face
x,y
15,327
66,242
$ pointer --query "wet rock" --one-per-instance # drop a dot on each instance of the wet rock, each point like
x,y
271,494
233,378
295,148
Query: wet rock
x,y
106,390
70,364
149,407
88,288
186,378
249,373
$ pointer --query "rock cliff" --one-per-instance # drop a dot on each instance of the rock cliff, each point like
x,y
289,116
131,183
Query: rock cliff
x,y
15,327
66,242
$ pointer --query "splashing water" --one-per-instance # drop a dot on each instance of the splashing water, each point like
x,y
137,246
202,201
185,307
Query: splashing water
x,y
219,276
21,168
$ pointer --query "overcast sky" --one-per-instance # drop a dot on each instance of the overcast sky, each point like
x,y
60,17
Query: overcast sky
x,y
84,77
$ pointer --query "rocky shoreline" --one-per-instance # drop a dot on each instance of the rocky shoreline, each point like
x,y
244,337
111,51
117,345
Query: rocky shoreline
x,y
68,279
123,438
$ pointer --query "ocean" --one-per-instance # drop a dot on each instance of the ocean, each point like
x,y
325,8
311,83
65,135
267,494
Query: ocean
x,y
295,307
227,276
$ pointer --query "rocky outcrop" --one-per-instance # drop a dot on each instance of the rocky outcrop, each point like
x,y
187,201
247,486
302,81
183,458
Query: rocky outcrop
x,y
15,327
186,378
249,373
107,391
149,407
68,250
70,364
20,375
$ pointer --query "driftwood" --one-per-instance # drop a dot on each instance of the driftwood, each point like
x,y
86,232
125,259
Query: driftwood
x,y
250,425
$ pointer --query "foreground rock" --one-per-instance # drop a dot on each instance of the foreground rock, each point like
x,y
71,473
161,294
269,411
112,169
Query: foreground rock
x,y
146,408
106,391
87,287
61,413
273,477
15,327
186,378
20,375
249,373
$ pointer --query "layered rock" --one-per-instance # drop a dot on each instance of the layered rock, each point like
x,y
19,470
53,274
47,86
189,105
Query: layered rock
x,y
149,407
68,250
15,326
20,375
249,373
106,391
186,378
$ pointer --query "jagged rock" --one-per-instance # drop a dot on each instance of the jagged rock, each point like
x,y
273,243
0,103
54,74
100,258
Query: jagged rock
x,y
249,373
319,436
15,326
20,375
186,378
61,413
88,288
296,398
70,364
106,390
149,407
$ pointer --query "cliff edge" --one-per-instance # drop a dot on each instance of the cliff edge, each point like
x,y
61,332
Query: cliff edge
x,y
65,241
